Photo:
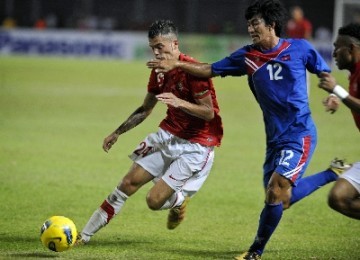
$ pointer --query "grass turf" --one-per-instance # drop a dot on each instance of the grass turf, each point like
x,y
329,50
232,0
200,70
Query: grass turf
x,y
54,114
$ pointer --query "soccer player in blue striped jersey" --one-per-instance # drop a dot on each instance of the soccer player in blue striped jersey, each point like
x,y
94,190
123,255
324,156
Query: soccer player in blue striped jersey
x,y
276,70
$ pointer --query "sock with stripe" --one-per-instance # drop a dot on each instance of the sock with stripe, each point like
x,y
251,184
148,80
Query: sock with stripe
x,y
108,209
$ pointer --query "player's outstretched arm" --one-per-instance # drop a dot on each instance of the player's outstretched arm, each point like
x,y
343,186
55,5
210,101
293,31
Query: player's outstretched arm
x,y
201,70
134,119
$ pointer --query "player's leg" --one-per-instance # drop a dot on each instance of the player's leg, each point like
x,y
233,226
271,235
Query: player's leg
x,y
307,185
183,178
344,197
132,181
277,194
162,196
159,194
167,191
191,187
147,161
289,162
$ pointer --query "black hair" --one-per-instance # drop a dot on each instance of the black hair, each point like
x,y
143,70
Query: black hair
x,y
272,11
162,27
352,30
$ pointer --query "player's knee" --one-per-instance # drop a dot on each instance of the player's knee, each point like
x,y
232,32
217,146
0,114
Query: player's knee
x,y
273,194
128,186
153,203
278,190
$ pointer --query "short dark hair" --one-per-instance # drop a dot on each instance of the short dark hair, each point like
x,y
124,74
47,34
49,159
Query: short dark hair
x,y
162,27
352,30
272,11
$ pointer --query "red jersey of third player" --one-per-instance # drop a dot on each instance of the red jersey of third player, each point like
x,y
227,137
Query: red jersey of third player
x,y
354,89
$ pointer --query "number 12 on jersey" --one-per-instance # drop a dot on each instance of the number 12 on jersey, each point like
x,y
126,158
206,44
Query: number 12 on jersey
x,y
274,71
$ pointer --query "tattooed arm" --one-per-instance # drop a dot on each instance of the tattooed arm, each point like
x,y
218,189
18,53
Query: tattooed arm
x,y
134,119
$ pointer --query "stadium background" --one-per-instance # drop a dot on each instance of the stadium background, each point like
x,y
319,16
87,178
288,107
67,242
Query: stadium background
x,y
195,16
117,29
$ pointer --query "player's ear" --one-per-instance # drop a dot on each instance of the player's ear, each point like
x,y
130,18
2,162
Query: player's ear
x,y
354,47
271,26
175,44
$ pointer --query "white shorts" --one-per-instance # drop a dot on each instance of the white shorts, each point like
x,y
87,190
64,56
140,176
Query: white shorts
x,y
183,165
353,176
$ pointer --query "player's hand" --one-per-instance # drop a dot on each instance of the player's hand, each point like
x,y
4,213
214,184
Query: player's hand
x,y
327,82
169,99
331,103
109,141
161,65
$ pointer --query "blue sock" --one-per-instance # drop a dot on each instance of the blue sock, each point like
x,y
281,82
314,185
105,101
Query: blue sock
x,y
269,219
309,184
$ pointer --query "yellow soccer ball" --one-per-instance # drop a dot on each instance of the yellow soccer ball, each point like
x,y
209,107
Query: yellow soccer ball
x,y
58,233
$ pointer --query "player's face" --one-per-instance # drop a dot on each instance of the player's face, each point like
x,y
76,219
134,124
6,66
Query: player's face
x,y
259,31
164,48
342,52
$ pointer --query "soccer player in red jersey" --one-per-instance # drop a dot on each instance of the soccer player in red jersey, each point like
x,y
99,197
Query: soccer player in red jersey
x,y
298,26
344,197
179,156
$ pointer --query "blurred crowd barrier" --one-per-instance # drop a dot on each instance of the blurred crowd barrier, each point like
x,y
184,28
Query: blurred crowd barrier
x,y
120,45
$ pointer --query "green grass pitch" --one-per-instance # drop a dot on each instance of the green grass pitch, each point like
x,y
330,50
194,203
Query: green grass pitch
x,y
54,115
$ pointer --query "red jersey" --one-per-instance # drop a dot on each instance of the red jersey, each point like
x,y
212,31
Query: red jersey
x,y
189,88
354,89
298,29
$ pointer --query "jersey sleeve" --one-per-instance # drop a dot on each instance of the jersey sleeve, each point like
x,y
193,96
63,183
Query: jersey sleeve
x,y
200,87
233,65
313,60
